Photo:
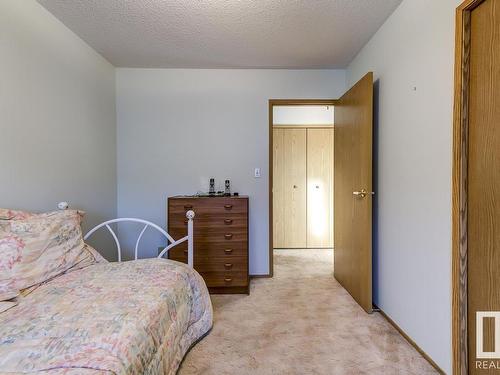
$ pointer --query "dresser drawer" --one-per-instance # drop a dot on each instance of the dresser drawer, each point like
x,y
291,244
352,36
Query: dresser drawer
x,y
224,264
222,249
208,206
211,235
178,252
226,249
178,221
227,237
179,259
225,279
224,235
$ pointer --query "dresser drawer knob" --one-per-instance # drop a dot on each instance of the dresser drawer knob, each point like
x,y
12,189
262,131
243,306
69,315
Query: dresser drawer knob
x,y
188,207
228,206
228,266
228,251
228,236
228,279
228,221
185,251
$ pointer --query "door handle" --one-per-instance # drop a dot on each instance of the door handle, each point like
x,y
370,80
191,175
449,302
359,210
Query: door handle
x,y
363,193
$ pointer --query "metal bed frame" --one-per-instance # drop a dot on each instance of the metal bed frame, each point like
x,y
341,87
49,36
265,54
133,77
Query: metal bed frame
x,y
170,241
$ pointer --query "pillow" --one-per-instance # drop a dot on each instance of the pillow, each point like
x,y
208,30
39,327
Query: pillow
x,y
5,305
89,257
7,214
8,294
39,247
8,299
96,256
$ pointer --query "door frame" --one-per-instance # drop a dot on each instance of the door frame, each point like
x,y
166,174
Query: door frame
x,y
459,186
272,104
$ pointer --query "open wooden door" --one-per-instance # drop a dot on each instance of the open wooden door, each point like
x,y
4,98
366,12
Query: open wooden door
x,y
353,191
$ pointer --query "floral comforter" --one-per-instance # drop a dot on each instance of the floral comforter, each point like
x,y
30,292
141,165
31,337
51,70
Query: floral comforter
x,y
137,317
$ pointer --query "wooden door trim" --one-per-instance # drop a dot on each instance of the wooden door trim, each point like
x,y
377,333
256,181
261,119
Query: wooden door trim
x,y
271,105
303,126
459,186
298,102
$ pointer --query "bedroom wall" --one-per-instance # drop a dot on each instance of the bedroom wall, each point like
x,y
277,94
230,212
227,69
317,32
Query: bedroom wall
x,y
303,115
177,128
57,116
412,57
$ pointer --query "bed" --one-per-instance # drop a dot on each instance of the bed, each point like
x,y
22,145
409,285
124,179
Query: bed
x,y
97,317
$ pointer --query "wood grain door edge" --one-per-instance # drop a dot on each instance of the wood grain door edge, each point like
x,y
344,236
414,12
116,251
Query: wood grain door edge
x,y
459,188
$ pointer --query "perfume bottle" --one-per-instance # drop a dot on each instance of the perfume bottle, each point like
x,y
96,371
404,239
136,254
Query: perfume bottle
x,y
227,190
211,190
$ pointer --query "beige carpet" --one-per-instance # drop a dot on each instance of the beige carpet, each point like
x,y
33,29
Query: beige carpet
x,y
300,322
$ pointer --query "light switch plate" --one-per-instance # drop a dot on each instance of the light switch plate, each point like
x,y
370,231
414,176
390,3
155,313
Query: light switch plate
x,y
257,173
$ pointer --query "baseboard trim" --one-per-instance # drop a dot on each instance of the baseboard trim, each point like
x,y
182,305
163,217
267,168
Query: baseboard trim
x,y
264,276
410,340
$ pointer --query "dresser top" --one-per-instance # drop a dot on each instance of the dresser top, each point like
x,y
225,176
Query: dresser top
x,y
208,197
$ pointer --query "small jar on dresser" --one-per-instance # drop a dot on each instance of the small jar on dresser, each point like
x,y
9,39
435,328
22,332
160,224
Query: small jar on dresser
x,y
220,239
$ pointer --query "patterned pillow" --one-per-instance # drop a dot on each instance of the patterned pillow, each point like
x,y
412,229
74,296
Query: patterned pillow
x,y
8,214
4,306
38,248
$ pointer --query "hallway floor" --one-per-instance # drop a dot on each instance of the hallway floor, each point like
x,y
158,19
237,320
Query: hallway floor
x,y
300,322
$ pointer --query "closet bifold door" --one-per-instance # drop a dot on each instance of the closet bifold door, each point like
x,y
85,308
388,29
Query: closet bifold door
x,y
319,188
289,188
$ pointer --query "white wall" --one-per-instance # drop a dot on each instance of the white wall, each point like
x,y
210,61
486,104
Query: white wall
x,y
303,115
57,116
177,128
414,49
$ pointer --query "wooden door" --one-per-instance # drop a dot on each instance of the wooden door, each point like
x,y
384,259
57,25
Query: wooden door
x,y
289,188
353,176
319,188
483,219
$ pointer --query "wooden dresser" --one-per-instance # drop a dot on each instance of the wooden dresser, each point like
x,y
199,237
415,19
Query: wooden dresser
x,y
220,239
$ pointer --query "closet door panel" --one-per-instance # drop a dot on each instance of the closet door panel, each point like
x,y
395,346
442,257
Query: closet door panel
x,y
319,188
295,181
278,188
289,188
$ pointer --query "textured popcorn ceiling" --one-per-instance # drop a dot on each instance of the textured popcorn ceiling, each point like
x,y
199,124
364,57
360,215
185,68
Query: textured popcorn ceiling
x,y
224,33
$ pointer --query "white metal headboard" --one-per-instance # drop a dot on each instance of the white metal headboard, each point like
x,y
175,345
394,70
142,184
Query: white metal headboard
x,y
171,242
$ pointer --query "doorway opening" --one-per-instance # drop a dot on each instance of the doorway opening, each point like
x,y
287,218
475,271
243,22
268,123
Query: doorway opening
x,y
301,175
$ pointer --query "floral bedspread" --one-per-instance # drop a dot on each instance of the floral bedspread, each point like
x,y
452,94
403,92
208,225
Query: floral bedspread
x,y
137,317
